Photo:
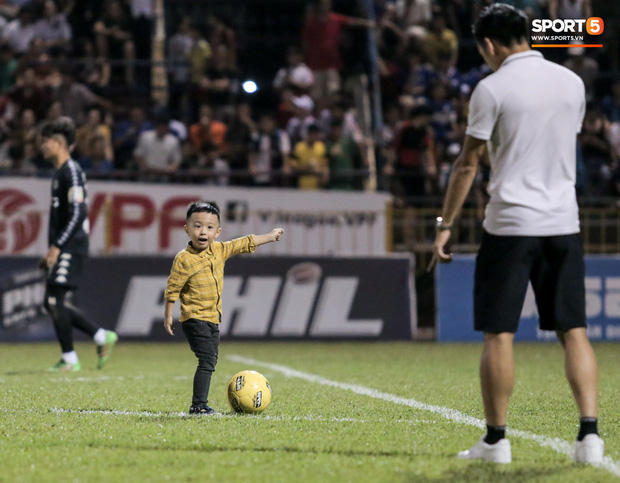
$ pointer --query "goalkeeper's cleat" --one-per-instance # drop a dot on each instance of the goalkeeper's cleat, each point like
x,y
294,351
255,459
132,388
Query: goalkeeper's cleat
x,y
63,366
105,350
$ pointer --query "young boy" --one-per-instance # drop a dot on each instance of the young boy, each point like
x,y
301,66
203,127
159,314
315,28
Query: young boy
x,y
197,278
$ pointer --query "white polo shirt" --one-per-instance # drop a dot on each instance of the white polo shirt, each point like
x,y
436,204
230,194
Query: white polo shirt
x,y
158,152
529,111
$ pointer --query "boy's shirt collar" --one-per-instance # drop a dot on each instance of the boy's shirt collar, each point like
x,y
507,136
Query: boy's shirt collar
x,y
207,251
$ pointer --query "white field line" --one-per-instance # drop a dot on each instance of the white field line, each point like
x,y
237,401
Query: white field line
x,y
108,378
556,444
261,417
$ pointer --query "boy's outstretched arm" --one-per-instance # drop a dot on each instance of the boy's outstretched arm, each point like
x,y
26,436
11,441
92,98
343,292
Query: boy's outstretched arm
x,y
168,317
272,236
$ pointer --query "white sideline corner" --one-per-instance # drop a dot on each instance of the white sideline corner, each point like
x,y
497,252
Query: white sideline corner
x,y
556,444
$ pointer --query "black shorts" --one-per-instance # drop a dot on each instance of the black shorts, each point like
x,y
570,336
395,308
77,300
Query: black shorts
x,y
67,272
505,265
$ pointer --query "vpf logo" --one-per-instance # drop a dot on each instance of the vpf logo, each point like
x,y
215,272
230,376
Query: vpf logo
x,y
19,228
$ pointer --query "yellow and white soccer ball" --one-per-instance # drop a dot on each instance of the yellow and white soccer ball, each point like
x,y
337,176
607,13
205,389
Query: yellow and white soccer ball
x,y
248,392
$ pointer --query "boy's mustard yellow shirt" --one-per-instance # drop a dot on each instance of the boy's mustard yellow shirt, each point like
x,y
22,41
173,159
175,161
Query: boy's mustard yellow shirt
x,y
197,278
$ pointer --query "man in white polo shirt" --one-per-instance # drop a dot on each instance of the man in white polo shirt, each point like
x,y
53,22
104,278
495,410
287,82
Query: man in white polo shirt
x,y
158,152
527,115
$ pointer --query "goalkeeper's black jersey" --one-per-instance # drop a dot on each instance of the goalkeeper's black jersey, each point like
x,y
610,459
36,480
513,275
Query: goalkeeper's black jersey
x,y
68,224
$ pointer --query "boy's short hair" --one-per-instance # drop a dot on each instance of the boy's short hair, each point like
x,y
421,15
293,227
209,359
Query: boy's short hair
x,y
503,23
63,126
203,207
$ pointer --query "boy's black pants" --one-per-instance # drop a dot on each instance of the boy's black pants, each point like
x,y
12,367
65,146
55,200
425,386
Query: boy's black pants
x,y
204,340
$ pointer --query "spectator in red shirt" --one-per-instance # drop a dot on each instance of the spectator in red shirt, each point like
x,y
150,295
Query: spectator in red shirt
x,y
321,38
411,162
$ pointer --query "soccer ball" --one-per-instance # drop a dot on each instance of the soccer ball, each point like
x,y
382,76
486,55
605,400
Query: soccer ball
x,y
248,392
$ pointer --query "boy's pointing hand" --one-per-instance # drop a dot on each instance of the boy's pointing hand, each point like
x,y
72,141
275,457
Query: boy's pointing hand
x,y
277,233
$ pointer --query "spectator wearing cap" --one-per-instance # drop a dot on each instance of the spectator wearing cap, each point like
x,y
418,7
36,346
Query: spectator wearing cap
x,y
321,40
53,28
309,161
297,126
20,31
158,152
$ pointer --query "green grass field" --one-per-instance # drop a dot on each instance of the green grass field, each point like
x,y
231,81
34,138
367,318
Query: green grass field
x,y
129,422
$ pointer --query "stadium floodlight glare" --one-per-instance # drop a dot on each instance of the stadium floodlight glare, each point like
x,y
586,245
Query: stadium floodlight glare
x,y
250,87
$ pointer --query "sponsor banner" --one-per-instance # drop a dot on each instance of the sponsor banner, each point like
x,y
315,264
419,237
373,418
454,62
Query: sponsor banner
x,y
145,219
455,289
22,288
264,297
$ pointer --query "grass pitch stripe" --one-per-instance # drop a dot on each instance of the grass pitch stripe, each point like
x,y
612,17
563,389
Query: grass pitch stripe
x,y
556,444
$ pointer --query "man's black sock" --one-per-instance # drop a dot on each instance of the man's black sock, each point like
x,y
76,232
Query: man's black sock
x,y
587,426
494,434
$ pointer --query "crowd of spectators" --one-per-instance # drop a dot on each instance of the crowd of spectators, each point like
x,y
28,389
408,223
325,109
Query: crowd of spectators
x,y
79,57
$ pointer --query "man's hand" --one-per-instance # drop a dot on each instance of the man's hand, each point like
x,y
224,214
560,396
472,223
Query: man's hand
x,y
276,233
52,256
440,252
168,325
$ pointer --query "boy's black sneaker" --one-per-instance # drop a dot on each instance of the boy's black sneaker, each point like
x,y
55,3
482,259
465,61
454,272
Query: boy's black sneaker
x,y
203,409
